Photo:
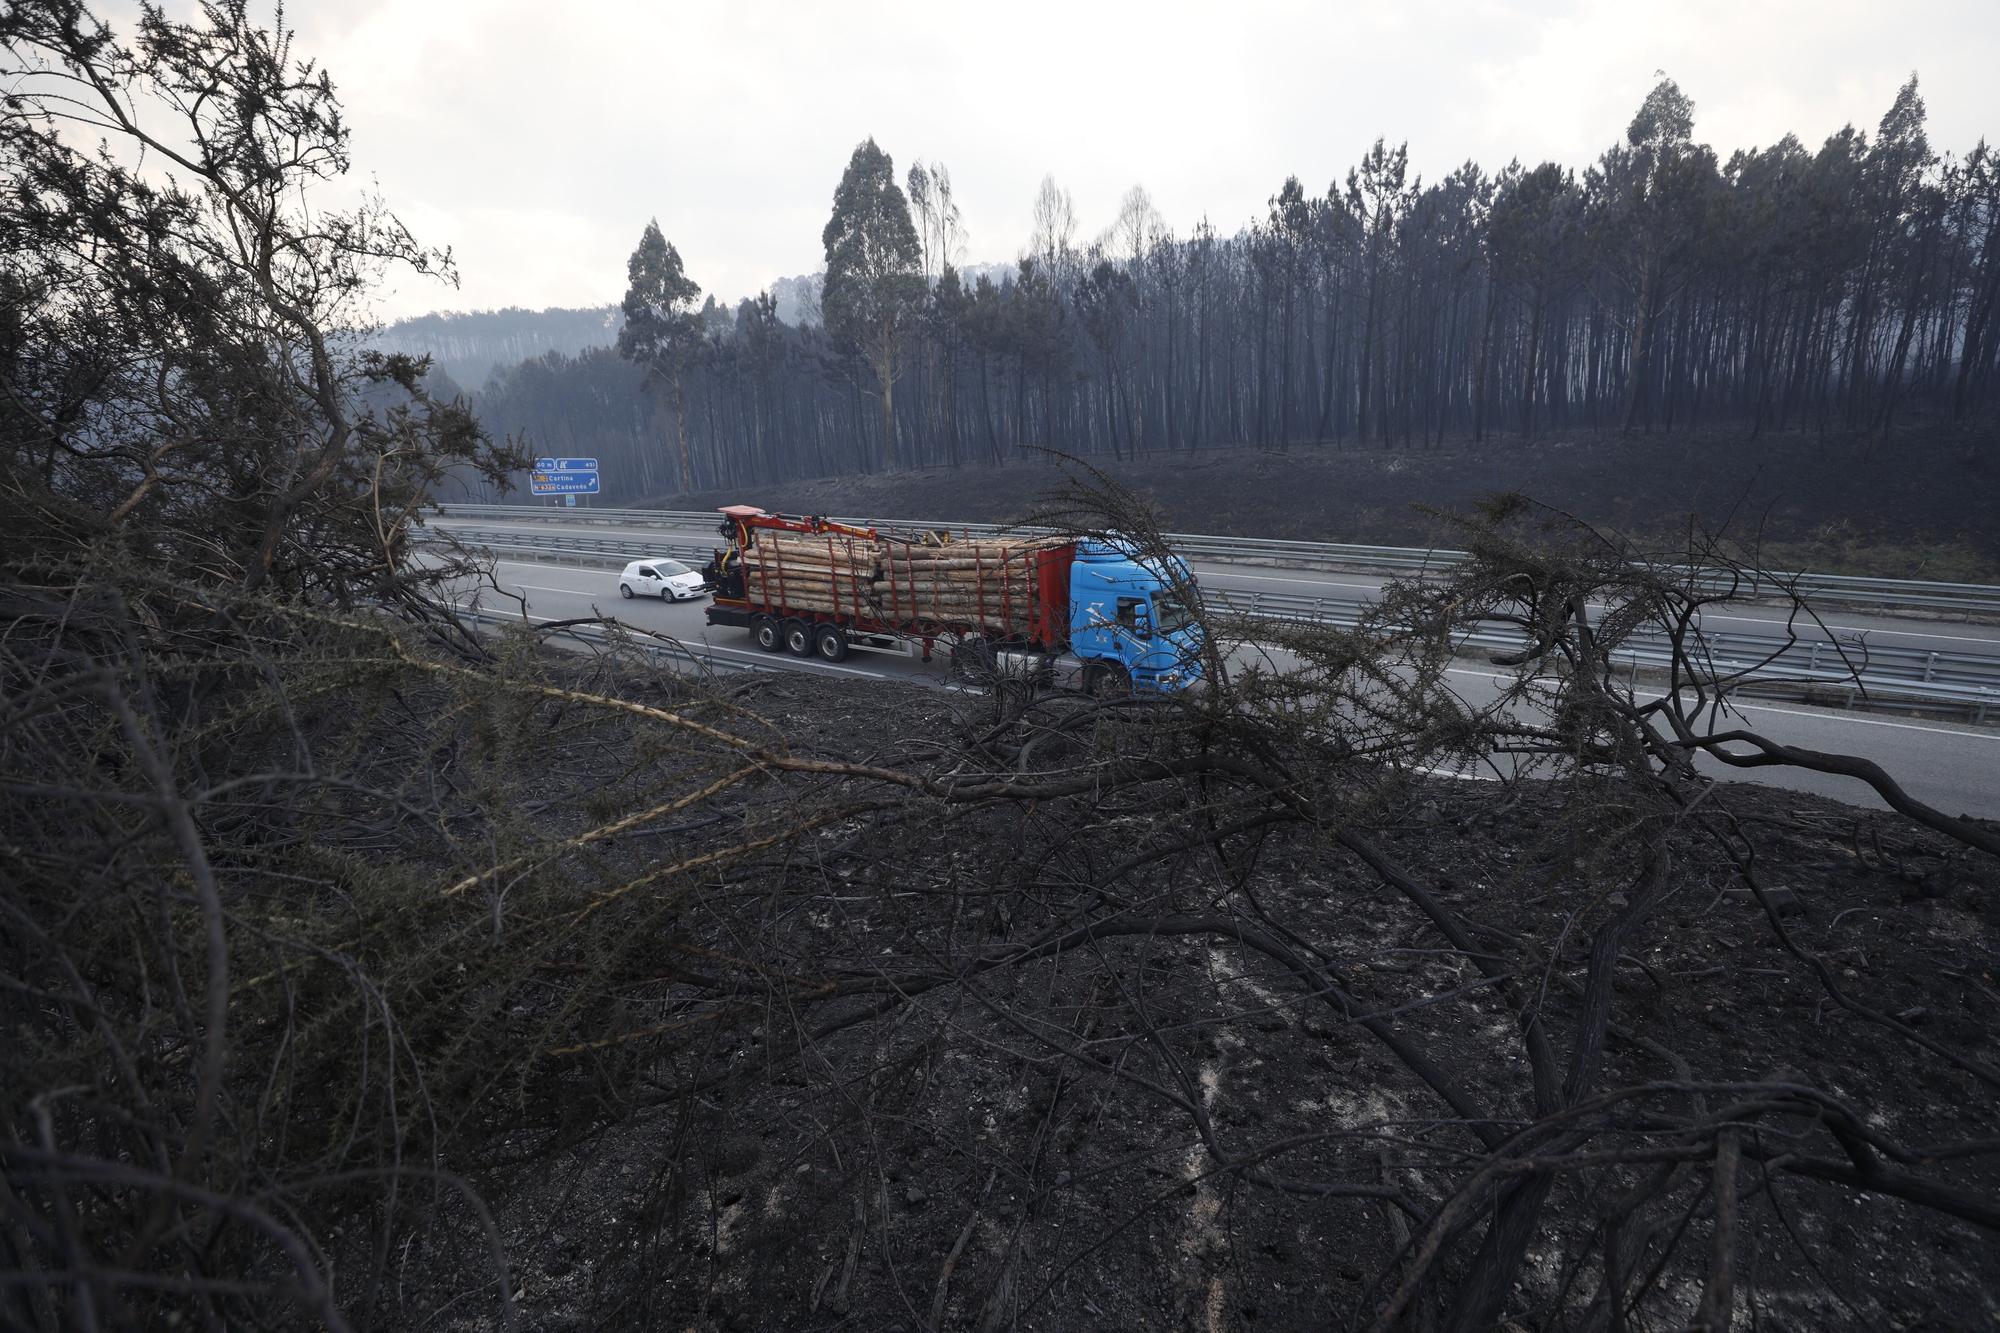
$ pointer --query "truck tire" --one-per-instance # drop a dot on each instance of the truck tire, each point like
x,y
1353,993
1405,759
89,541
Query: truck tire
x,y
765,631
831,644
972,660
1107,682
799,637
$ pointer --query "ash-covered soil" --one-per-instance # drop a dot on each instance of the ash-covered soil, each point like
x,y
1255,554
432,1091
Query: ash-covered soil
x,y
1916,505
1158,1127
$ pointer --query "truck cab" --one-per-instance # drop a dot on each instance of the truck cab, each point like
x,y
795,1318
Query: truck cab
x,y
1126,623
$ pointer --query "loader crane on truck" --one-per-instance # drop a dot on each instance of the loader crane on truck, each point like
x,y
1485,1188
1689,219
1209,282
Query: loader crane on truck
x,y
1010,607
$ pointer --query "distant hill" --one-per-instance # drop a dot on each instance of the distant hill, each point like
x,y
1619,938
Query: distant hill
x,y
469,345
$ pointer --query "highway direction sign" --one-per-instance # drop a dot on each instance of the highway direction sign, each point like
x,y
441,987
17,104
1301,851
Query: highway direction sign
x,y
563,476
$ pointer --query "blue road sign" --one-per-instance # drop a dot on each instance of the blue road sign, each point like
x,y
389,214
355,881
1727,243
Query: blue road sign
x,y
563,476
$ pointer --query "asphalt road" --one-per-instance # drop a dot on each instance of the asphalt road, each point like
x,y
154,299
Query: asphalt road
x,y
1879,630
1955,768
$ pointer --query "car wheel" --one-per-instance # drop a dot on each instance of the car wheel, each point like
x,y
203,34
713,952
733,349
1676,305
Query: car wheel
x,y
667,593
625,591
799,637
831,643
765,631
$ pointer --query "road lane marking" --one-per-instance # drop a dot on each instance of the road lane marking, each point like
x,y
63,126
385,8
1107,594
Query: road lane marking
x,y
796,661
1858,629
706,648
1829,716
1318,583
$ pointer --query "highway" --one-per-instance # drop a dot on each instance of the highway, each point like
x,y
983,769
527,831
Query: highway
x,y
1846,625
1953,767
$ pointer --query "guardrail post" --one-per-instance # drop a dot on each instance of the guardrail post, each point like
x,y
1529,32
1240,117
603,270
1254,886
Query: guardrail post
x,y
1930,668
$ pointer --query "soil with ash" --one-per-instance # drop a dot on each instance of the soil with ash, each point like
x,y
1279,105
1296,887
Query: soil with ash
x,y
1918,505
1025,1149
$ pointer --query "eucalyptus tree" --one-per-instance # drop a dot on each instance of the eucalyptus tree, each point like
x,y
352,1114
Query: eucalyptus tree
x,y
662,331
874,274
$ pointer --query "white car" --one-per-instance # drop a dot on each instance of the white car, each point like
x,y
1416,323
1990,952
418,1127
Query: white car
x,y
669,580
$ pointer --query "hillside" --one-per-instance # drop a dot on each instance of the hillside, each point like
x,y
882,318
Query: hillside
x,y
470,345
1918,506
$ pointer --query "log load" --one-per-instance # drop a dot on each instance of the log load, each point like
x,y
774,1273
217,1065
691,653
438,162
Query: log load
x,y
992,582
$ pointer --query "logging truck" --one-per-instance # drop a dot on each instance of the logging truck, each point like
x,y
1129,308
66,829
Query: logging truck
x,y
1007,607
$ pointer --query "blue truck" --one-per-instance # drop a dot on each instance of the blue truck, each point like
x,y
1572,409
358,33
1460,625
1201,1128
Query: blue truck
x,y
820,588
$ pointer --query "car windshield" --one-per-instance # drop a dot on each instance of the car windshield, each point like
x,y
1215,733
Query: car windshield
x,y
669,568
1169,616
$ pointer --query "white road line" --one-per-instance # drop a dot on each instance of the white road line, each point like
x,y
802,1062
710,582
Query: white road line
x,y
542,587
1865,721
1839,718
705,648
822,666
1859,629
1273,578
1459,774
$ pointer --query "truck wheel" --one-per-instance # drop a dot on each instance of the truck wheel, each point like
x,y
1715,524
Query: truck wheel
x,y
799,637
972,659
765,631
831,643
1107,682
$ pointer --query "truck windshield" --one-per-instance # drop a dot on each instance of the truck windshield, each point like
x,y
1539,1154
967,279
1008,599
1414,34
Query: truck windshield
x,y
1169,616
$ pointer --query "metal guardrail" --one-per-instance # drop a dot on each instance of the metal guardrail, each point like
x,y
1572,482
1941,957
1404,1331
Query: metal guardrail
x,y
1865,675
1846,589
1856,671
614,551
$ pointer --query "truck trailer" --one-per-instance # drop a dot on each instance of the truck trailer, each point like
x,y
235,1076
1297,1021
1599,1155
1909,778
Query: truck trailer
x,y
1011,606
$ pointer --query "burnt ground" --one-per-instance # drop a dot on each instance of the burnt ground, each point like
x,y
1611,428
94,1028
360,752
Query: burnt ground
x,y
1025,1149
1917,505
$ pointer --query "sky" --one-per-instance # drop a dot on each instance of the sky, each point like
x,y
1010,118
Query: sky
x,y
536,139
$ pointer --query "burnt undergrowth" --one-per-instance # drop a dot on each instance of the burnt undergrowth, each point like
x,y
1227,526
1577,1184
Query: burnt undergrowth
x,y
361,975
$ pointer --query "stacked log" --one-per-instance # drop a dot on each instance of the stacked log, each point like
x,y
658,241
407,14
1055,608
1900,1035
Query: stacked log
x,y
992,583
826,572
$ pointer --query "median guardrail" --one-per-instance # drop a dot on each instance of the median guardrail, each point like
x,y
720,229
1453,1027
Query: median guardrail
x,y
1845,589
1853,674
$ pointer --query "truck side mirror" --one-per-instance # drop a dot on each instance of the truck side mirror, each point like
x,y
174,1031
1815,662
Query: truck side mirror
x,y
1142,620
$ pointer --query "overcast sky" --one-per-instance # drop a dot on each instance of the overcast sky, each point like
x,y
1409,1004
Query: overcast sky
x,y
537,138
